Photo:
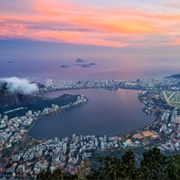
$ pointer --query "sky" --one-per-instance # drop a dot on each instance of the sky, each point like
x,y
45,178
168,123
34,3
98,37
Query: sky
x,y
114,23
54,28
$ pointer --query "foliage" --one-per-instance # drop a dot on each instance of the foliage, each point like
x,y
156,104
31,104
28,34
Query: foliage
x,y
83,170
154,165
114,168
56,175
173,167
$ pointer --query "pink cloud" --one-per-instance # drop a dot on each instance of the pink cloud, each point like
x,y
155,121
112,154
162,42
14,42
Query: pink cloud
x,y
62,21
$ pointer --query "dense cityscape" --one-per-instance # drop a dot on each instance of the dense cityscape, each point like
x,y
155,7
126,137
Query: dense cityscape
x,y
23,156
89,89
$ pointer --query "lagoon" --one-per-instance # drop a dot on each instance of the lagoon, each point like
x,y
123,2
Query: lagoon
x,y
107,113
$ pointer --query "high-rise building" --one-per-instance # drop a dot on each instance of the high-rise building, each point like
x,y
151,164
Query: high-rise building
x,y
64,146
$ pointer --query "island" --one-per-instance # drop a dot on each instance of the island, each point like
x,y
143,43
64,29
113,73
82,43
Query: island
x,y
10,62
64,66
80,60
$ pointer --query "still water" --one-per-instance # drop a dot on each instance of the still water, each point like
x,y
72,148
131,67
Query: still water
x,y
107,112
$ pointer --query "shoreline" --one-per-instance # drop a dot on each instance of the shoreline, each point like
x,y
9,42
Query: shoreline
x,y
161,133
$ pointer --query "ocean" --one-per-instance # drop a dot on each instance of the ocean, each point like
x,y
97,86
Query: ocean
x,y
120,68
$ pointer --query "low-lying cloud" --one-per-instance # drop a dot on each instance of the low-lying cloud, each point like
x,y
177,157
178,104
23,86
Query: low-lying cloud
x,y
18,85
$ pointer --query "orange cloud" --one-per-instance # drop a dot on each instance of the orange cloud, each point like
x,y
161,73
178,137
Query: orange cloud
x,y
71,37
100,20
75,38
175,43
121,26
62,21
12,30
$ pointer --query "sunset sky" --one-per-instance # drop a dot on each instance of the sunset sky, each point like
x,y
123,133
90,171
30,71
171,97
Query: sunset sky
x,y
118,24
122,35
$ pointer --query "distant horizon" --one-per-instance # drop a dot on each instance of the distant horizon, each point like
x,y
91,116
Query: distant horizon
x,y
126,39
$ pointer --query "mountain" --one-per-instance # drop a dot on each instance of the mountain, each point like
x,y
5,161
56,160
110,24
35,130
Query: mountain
x,y
174,76
9,99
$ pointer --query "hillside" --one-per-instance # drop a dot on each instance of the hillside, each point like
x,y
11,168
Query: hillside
x,y
32,103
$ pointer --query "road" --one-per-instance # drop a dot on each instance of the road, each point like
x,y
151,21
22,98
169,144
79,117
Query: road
x,y
16,148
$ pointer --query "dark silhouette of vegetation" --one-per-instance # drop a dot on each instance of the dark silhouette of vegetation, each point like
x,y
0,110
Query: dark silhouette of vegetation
x,y
56,175
153,166
173,167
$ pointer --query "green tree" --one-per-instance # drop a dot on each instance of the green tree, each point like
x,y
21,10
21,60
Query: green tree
x,y
44,175
128,166
173,168
84,169
56,175
153,165
114,168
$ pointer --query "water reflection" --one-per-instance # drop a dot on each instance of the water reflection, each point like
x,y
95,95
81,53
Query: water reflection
x,y
108,112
